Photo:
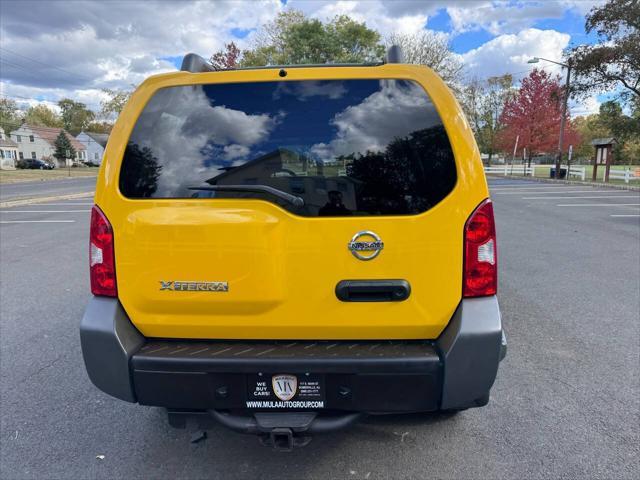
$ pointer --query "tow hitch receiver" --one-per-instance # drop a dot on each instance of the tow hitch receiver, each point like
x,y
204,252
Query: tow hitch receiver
x,y
284,430
283,439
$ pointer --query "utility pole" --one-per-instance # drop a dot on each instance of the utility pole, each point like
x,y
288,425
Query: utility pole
x,y
564,109
562,122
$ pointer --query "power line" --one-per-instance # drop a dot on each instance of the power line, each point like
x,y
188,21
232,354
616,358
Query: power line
x,y
38,100
46,64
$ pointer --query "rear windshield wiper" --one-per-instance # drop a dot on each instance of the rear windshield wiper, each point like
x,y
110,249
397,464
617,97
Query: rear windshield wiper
x,y
293,199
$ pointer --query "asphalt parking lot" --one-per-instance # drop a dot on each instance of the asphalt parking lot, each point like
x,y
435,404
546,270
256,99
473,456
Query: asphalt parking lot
x,y
566,402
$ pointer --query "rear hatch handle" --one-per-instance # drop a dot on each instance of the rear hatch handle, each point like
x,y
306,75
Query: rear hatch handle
x,y
373,290
293,199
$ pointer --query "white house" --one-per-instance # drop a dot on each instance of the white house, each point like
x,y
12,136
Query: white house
x,y
94,143
39,142
8,152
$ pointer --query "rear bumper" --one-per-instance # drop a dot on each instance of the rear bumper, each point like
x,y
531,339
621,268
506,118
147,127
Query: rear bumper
x,y
453,372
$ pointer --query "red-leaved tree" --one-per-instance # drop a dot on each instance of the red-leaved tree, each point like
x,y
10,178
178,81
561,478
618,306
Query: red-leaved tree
x,y
229,57
533,116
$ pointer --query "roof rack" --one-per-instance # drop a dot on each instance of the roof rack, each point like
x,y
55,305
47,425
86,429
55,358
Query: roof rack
x,y
194,63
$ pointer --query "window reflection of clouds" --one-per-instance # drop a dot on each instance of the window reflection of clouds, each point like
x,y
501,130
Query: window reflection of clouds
x,y
184,131
397,108
332,90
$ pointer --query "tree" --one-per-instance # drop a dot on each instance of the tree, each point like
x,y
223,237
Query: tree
x,y
294,39
229,57
533,115
484,103
430,49
63,147
625,129
115,103
589,128
75,115
9,118
43,116
99,127
613,62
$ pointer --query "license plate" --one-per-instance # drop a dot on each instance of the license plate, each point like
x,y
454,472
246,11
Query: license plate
x,y
285,391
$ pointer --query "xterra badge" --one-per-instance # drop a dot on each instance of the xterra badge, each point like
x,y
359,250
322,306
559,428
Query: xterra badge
x,y
365,245
180,286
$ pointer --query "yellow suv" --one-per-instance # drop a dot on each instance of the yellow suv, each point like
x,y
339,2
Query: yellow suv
x,y
285,249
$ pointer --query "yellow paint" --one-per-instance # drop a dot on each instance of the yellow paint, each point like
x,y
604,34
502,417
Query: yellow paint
x,y
282,269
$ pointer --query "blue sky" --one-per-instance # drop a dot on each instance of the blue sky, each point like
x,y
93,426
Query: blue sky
x,y
76,48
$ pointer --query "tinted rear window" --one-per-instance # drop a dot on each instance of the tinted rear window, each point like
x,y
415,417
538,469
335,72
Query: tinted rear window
x,y
348,147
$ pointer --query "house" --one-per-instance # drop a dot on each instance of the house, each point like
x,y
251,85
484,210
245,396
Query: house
x,y
292,173
39,142
94,143
8,152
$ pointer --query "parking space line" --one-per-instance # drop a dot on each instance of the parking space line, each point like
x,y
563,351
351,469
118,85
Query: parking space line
x,y
45,211
68,204
598,205
533,187
37,221
626,215
551,192
566,198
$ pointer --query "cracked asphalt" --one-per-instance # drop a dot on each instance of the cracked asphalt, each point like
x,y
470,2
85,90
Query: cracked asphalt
x,y
566,402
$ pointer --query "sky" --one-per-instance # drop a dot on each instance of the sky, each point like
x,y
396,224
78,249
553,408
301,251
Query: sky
x,y
55,49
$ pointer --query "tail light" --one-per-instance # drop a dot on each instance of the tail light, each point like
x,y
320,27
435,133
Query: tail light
x,y
102,268
480,253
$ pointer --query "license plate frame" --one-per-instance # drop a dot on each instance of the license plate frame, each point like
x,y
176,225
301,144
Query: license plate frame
x,y
309,391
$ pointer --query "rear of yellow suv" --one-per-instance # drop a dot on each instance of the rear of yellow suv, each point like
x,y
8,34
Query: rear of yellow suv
x,y
285,249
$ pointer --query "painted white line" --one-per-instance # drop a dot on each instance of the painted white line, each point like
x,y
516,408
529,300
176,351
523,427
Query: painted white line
x,y
598,205
531,187
567,198
56,198
553,193
37,221
68,204
45,211
630,215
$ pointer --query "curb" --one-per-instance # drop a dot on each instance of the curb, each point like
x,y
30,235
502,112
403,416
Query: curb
x,y
29,201
614,186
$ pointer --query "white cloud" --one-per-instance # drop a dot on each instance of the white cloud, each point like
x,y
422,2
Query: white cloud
x,y
510,53
66,47
392,111
502,16
385,17
588,106
181,123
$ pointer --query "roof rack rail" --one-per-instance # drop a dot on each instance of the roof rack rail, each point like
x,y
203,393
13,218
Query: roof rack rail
x,y
194,63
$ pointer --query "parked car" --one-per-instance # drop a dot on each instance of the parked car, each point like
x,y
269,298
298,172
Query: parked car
x,y
33,163
284,254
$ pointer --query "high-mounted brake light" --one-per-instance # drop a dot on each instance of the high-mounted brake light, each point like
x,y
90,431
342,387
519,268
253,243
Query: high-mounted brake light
x,y
480,253
102,269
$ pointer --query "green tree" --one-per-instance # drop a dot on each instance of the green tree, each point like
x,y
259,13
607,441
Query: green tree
x,y
42,116
589,128
113,105
99,127
9,117
625,129
484,103
75,115
614,62
294,39
63,147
